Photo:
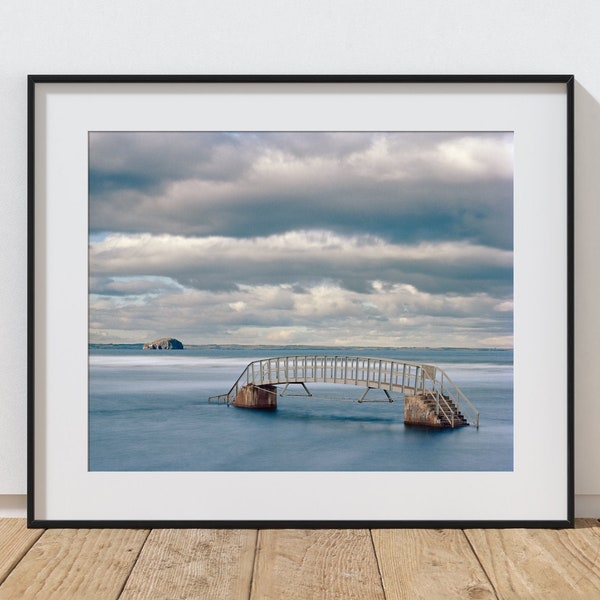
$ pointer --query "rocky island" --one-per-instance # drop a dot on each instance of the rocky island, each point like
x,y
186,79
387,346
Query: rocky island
x,y
164,344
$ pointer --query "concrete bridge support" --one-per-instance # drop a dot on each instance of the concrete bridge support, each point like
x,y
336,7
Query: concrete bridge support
x,y
421,410
263,397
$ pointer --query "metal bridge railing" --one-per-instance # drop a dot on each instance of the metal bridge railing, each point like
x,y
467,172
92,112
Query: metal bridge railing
x,y
375,373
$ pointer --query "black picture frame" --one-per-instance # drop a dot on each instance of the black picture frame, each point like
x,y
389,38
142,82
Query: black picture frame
x,y
57,499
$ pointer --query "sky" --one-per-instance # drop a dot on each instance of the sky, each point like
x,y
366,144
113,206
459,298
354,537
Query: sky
x,y
313,238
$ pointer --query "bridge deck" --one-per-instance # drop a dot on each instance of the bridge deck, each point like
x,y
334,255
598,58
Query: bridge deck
x,y
391,375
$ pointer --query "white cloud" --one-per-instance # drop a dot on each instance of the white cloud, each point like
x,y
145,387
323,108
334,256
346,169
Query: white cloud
x,y
291,257
324,314
477,157
238,306
269,182
431,157
328,238
506,306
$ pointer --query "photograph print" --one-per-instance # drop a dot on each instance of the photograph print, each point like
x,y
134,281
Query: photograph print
x,y
300,301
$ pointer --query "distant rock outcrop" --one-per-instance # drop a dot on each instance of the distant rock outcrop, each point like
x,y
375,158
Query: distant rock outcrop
x,y
164,344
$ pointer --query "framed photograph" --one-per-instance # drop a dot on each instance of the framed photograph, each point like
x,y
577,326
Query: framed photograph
x,y
314,301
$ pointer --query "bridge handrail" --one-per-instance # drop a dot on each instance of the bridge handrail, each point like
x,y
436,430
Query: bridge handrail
x,y
324,357
459,397
444,407
421,375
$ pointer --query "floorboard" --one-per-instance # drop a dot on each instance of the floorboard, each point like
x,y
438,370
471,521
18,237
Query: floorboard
x,y
75,563
194,563
15,541
324,564
429,563
541,563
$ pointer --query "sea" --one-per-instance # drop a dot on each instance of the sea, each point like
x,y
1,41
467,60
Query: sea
x,y
149,411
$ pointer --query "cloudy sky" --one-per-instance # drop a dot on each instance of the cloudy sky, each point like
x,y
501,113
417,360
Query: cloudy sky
x,y
349,238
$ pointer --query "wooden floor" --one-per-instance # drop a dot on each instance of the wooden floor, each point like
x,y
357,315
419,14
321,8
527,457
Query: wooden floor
x,y
296,563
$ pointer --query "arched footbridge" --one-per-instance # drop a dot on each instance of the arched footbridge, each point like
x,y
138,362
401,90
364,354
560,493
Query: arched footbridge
x,y
437,394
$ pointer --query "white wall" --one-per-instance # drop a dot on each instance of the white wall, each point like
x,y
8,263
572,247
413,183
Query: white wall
x,y
313,36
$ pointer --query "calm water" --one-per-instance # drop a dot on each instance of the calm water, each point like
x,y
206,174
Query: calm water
x,y
148,411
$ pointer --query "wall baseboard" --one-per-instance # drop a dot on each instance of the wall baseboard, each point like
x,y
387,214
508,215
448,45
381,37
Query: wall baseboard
x,y
13,505
586,506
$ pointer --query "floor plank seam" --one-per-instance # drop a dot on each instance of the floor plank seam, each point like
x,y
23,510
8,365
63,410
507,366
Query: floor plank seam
x,y
250,590
134,563
496,593
378,565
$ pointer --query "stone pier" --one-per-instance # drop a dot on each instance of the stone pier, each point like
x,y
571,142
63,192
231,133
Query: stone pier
x,y
263,397
420,411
